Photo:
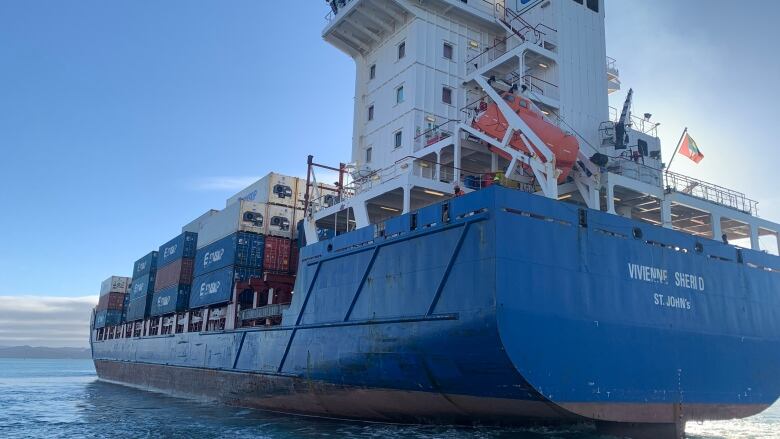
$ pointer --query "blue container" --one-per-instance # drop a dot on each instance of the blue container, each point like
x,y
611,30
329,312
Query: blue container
x,y
240,249
170,300
108,317
182,246
145,265
142,286
124,307
138,309
217,286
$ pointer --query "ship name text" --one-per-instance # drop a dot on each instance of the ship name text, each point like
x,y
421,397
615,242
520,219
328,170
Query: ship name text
x,y
661,276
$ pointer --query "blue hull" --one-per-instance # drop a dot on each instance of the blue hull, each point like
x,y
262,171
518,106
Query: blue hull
x,y
501,307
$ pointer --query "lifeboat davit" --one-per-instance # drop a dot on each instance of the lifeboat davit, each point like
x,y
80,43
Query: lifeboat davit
x,y
564,146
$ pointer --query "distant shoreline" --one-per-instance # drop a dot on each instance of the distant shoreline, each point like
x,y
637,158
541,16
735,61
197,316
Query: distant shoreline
x,y
42,353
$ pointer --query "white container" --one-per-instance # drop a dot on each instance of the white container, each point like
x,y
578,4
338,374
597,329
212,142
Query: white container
x,y
114,284
243,216
275,189
194,225
282,220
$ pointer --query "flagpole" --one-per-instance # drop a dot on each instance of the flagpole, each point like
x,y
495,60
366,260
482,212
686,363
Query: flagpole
x,y
674,154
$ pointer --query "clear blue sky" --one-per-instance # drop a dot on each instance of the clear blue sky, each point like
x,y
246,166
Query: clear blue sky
x,y
122,120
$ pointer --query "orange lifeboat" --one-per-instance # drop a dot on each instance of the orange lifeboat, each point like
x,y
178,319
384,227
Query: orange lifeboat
x,y
564,146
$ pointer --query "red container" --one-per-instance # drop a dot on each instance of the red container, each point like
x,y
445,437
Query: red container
x,y
294,257
177,272
112,301
277,254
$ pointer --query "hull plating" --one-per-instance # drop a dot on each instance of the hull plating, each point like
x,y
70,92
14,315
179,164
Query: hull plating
x,y
508,308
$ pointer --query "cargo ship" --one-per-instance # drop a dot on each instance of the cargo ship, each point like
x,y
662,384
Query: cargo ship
x,y
503,249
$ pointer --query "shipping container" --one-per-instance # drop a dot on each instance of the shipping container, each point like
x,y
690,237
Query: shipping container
x,y
145,265
276,257
170,300
194,225
294,255
244,216
240,249
107,317
217,286
138,309
115,284
142,286
115,301
182,246
177,272
125,306
281,220
273,188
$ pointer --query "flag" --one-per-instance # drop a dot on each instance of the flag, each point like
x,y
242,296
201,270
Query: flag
x,y
689,149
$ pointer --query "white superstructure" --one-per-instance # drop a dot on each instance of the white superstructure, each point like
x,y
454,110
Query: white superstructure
x,y
424,68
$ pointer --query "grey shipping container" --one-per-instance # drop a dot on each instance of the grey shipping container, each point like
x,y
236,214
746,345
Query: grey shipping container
x,y
243,216
194,225
115,284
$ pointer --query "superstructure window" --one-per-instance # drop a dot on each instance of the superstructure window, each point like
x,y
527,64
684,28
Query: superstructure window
x,y
369,151
371,112
446,95
372,71
398,139
399,94
448,51
401,50
593,5
578,1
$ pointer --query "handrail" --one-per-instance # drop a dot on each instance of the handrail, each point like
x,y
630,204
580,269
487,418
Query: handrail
x,y
644,125
538,79
335,5
488,49
611,63
710,192
518,16
264,312
435,128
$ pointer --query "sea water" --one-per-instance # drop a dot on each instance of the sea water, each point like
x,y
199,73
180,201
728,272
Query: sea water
x,y
63,398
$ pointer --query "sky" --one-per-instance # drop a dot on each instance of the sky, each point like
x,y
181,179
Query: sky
x,y
120,121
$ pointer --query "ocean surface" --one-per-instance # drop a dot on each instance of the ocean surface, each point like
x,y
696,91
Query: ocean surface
x,y
63,398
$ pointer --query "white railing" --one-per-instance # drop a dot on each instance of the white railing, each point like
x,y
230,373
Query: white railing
x,y
710,192
635,170
611,64
335,8
637,123
540,86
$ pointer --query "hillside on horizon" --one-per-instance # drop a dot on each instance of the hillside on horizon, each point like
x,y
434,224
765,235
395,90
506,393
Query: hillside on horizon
x,y
42,352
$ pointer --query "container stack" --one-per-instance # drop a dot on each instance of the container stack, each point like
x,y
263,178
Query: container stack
x,y
144,274
237,257
251,244
280,201
174,275
112,301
